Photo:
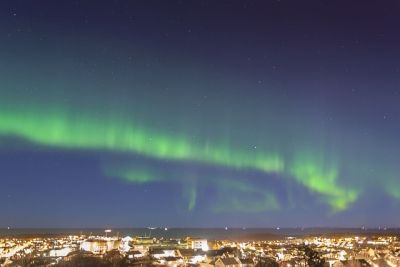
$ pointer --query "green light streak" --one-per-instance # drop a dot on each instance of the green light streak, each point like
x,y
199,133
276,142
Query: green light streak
x,y
239,196
392,188
59,129
236,204
323,180
67,130
136,176
190,193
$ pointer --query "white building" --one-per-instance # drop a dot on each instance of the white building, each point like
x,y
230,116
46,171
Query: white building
x,y
199,244
59,252
101,245
125,243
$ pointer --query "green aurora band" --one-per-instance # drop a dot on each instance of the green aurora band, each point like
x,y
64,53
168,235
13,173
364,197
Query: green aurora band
x,y
231,192
257,199
65,130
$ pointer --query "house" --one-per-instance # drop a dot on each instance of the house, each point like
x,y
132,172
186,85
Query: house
x,y
352,263
192,256
134,254
380,263
288,263
229,261
172,261
267,261
159,253
247,262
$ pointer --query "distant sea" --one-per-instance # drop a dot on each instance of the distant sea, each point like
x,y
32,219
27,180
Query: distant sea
x,y
208,233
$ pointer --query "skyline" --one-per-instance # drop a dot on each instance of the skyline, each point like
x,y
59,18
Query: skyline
x,y
202,114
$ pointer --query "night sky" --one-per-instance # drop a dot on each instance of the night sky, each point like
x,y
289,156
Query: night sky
x,y
199,113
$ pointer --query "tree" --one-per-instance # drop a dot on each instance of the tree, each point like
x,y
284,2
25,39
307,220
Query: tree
x,y
311,257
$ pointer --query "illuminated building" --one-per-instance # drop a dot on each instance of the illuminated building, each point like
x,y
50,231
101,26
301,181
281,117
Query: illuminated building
x,y
100,246
199,244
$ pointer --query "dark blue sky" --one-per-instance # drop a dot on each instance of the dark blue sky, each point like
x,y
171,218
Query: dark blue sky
x,y
199,113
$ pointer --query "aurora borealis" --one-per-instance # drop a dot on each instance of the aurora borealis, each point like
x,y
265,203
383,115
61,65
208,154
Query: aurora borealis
x,y
254,114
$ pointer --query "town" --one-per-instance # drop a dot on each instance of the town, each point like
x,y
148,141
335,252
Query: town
x,y
113,250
